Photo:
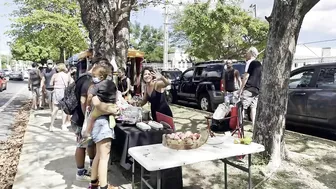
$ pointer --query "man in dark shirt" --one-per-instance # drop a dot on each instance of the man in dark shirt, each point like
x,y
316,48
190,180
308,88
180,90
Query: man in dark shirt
x,y
83,84
232,81
47,89
34,85
251,87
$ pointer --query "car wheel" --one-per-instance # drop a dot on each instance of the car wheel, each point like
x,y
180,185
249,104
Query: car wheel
x,y
204,102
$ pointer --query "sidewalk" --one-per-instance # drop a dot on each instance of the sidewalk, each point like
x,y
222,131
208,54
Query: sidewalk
x,y
47,159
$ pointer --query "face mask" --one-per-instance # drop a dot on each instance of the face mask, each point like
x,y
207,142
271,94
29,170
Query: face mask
x,y
96,80
50,66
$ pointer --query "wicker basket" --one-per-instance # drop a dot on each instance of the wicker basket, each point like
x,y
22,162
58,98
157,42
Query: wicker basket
x,y
186,144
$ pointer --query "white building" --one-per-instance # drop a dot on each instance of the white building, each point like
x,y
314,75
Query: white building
x,y
177,60
312,55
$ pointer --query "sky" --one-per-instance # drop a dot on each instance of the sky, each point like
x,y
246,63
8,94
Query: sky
x,y
318,25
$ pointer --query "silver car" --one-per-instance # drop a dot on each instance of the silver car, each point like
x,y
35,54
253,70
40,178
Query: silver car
x,y
16,75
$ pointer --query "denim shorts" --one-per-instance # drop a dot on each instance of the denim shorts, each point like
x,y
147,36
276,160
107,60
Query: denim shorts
x,y
101,129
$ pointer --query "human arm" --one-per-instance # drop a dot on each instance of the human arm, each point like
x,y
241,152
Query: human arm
x,y
161,82
144,99
105,108
237,76
29,82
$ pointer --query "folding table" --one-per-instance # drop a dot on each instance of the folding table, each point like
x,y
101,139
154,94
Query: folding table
x,y
158,157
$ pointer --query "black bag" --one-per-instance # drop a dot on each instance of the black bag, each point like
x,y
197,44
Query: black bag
x,y
70,100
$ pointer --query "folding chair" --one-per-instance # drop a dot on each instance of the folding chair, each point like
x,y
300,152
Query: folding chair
x,y
160,117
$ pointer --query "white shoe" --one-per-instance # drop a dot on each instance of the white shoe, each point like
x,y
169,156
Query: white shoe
x,y
84,177
64,127
51,128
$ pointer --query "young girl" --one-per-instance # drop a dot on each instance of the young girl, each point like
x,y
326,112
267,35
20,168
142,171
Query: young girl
x,y
106,92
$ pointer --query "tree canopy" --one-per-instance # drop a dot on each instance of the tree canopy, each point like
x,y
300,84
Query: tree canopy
x,y
147,39
224,32
46,29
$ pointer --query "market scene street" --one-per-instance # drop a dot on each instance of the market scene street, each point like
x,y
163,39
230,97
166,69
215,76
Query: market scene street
x,y
167,94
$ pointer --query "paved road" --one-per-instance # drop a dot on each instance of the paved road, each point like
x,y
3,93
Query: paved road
x,y
10,102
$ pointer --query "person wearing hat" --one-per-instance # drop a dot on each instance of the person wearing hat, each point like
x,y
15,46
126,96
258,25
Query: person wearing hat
x,y
47,89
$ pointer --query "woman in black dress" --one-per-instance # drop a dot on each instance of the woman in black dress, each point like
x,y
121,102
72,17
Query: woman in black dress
x,y
155,85
124,84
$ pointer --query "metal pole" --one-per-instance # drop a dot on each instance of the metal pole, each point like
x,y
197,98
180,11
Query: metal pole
x,y
166,37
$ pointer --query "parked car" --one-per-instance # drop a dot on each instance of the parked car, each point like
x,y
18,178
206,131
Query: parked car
x,y
171,74
2,73
26,74
16,75
7,72
312,96
3,83
202,84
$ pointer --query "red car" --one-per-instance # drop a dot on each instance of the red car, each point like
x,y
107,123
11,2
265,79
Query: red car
x,y
3,83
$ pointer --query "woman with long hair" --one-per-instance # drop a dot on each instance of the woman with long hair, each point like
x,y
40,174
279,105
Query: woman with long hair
x,y
155,85
59,81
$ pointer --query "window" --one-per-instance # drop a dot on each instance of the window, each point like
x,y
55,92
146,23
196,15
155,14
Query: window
x,y
213,71
199,71
301,79
327,78
188,75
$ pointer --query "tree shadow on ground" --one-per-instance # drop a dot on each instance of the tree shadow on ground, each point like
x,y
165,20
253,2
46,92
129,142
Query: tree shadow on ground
x,y
62,168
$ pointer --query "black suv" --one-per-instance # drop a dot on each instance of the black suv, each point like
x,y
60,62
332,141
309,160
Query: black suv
x,y
202,84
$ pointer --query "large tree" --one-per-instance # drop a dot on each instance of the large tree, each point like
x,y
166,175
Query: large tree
x,y
285,23
223,32
43,28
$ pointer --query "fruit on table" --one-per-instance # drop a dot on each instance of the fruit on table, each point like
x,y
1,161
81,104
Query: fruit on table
x,y
187,137
245,140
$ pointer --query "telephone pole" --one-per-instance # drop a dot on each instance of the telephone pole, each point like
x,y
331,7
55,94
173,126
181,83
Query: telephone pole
x,y
166,37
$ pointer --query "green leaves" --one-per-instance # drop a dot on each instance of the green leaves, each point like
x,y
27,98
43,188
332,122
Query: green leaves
x,y
149,40
44,29
222,33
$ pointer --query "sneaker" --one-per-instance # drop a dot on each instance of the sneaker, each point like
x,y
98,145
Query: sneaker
x,y
84,141
64,127
83,177
51,128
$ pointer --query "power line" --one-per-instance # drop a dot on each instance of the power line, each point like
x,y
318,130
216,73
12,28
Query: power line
x,y
322,41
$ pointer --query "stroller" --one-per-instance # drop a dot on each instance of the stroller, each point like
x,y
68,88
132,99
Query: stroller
x,y
231,121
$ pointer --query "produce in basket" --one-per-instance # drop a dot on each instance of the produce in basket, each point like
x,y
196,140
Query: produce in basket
x,y
186,140
245,140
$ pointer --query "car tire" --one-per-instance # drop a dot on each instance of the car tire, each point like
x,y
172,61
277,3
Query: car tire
x,y
204,102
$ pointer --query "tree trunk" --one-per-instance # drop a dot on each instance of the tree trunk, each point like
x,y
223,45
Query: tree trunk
x,y
107,23
285,24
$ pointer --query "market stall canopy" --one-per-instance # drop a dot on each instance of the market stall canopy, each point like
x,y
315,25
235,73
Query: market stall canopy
x,y
79,56
132,53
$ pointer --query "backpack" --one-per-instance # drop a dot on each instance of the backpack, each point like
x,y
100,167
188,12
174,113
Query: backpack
x,y
70,101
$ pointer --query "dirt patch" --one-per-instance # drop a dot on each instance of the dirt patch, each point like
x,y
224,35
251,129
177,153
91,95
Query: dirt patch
x,y
10,150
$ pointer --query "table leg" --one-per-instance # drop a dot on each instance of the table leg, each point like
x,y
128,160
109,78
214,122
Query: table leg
x,y
249,172
133,170
142,176
225,175
158,179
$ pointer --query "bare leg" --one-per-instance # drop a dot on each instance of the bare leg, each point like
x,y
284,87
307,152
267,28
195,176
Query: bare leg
x,y
53,117
94,167
64,119
252,114
103,148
